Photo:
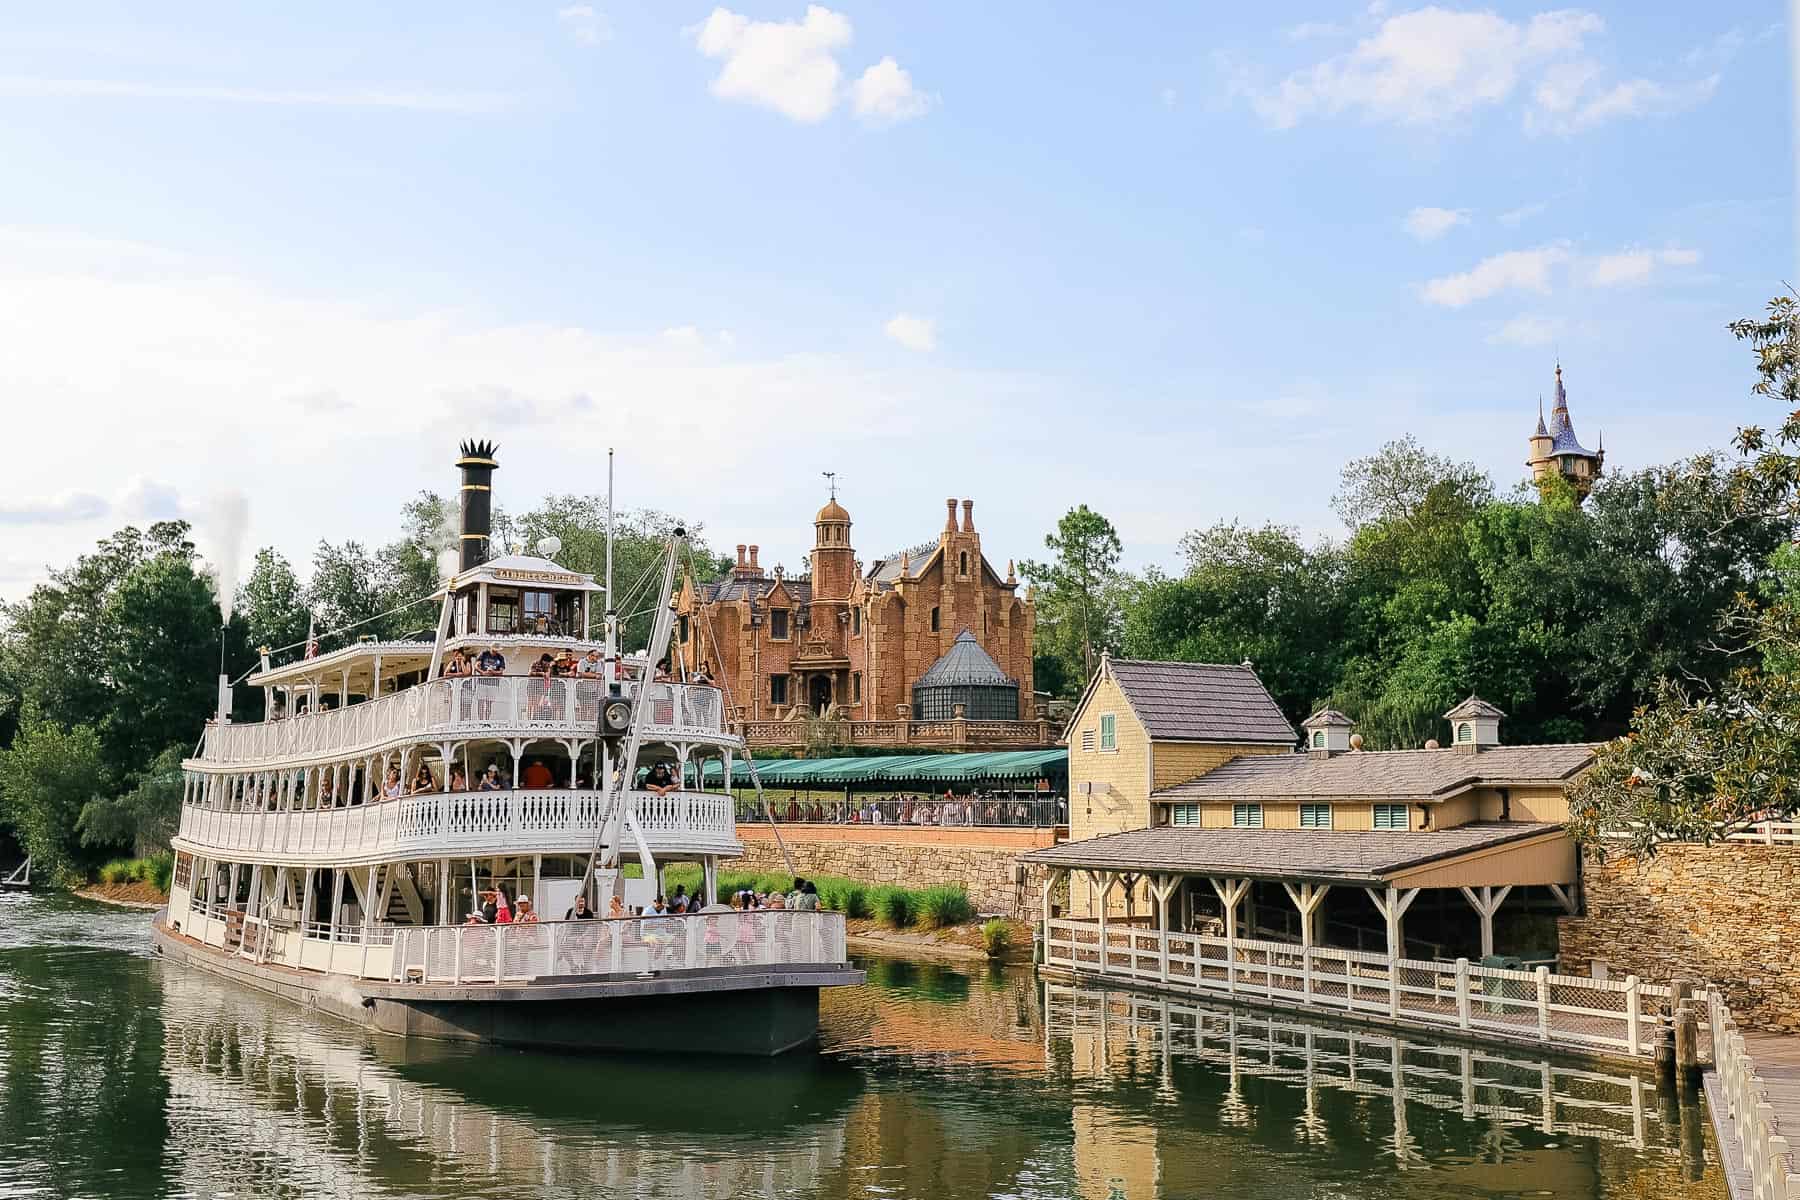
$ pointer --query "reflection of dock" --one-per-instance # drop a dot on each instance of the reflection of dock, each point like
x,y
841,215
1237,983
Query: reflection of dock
x,y
260,1100
1512,1090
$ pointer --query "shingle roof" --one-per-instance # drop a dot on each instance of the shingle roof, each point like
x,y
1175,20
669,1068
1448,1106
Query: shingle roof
x,y
1474,706
1327,718
1344,856
964,664
739,589
886,570
1383,774
1201,702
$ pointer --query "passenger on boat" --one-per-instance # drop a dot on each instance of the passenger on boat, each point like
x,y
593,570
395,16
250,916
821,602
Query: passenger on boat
x,y
702,677
456,665
423,781
580,911
617,907
391,789
679,901
491,662
565,665
490,779
526,914
458,782
661,780
591,667
656,908
328,790
537,775
503,914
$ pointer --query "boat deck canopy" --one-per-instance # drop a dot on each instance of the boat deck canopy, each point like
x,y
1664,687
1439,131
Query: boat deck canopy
x,y
1483,853
358,659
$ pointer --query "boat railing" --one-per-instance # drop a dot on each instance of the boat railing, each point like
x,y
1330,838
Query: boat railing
x,y
448,822
460,707
638,946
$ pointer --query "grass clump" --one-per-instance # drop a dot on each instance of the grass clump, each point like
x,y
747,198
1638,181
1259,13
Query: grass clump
x,y
895,907
844,895
943,905
157,870
996,935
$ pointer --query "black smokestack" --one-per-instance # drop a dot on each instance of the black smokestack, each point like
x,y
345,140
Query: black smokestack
x,y
478,466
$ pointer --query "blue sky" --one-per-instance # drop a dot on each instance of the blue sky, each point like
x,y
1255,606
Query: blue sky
x,y
1178,262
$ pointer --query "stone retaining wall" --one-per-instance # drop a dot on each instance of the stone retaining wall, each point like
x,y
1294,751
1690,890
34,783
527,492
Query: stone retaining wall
x,y
981,860
1724,913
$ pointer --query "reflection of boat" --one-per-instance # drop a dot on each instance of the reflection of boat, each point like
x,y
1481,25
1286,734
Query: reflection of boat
x,y
339,851
261,1102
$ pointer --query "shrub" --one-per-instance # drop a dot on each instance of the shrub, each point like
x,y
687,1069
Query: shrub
x,y
944,905
116,871
162,870
844,895
895,906
996,935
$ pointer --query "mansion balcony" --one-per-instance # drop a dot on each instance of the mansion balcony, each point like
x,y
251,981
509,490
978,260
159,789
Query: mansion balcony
x,y
444,710
452,824
956,733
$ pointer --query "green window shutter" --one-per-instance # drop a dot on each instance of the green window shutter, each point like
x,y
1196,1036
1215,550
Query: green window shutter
x,y
1246,816
1390,816
1315,816
1109,732
1185,814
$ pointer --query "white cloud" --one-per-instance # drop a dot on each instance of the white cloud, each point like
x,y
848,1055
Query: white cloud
x,y
885,95
64,509
1515,270
913,332
1430,224
792,67
584,24
1526,329
418,101
1515,217
1629,268
1433,65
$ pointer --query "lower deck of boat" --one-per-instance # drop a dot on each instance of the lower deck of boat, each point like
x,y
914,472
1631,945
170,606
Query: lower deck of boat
x,y
754,1010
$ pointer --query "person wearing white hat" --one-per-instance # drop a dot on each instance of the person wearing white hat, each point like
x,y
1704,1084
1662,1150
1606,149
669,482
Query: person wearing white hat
x,y
523,913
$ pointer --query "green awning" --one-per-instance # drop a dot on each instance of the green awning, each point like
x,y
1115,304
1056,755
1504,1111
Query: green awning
x,y
898,768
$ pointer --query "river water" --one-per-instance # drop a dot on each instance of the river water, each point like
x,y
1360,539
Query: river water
x,y
123,1076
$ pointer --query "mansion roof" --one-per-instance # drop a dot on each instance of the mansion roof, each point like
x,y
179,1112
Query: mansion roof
x,y
756,586
1383,774
1337,856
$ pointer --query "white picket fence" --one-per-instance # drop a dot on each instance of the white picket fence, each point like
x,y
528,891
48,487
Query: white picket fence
x,y
1573,1012
1768,1154
1769,833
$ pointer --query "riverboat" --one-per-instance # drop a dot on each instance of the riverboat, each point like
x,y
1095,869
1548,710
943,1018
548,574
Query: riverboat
x,y
338,851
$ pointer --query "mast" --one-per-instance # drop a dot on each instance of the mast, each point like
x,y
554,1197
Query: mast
x,y
612,614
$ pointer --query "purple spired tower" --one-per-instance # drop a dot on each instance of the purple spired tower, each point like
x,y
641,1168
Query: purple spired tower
x,y
1555,451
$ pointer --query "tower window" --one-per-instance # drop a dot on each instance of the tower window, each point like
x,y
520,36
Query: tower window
x,y
778,689
934,620
856,621
1465,732
962,563
684,630
778,624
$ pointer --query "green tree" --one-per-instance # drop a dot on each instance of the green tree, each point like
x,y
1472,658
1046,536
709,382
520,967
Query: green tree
x,y
1078,591
144,818
272,603
46,775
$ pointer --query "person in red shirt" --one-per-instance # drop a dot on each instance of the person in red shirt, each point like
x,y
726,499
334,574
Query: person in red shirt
x,y
537,775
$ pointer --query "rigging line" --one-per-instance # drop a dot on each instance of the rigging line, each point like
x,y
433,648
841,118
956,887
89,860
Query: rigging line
x,y
749,754
354,624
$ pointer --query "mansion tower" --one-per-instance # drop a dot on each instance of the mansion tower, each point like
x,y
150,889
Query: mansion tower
x,y
907,636
1555,450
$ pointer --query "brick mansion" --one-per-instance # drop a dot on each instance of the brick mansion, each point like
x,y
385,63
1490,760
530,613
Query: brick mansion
x,y
929,633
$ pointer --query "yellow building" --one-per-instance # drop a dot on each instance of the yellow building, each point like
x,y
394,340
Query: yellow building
x,y
1191,807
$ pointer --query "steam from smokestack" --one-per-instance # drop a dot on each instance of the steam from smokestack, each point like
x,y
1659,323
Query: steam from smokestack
x,y
226,522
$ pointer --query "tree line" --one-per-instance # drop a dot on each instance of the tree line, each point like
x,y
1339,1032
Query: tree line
x,y
109,669
1664,607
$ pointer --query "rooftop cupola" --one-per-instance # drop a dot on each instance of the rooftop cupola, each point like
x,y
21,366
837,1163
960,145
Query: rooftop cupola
x,y
1474,725
1328,732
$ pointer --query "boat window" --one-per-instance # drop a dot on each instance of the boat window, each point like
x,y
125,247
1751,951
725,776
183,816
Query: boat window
x,y
537,612
503,612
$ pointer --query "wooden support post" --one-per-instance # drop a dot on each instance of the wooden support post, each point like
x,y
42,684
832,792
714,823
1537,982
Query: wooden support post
x,y
1392,904
1230,892
1486,903
1307,898
1565,895
1163,886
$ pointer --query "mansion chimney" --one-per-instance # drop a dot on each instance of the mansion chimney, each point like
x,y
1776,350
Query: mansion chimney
x,y
968,516
478,467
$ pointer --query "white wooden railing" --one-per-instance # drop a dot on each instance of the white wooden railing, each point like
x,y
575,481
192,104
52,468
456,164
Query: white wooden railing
x,y
1769,833
457,954
1516,1006
1768,1153
447,708
454,823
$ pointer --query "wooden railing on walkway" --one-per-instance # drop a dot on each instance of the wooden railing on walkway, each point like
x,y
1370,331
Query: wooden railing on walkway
x,y
1768,1153
1520,1007
1769,833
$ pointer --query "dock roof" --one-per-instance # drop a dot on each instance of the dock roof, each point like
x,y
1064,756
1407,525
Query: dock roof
x,y
1383,774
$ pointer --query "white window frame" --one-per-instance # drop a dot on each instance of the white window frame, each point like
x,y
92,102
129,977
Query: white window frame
x,y
1087,741
1190,811
1380,812
1246,816
1315,809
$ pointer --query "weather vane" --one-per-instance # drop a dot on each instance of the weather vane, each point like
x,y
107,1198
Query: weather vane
x,y
832,476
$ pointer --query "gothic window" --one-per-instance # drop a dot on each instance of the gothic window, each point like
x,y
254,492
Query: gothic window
x,y
684,630
778,624
856,687
856,622
778,689
962,564
934,620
